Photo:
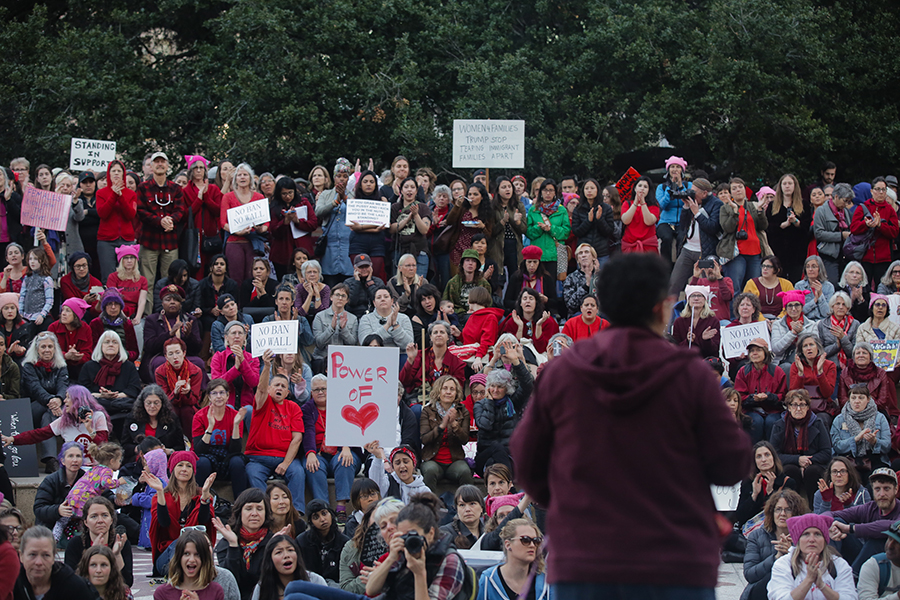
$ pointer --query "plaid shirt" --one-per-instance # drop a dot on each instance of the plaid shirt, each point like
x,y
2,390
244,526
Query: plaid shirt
x,y
154,203
448,581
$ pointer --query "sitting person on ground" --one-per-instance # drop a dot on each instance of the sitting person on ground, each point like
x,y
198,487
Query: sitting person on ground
x,y
801,439
386,321
404,285
229,311
152,415
299,375
861,432
259,290
236,366
588,323
217,431
282,564
181,380
762,386
313,294
212,287
815,279
890,282
768,286
334,325
74,335
878,326
284,515
191,571
429,309
532,274
855,284
841,488
721,288
179,275
49,499
698,325
838,331
746,310
530,320
98,528
816,374
111,378
112,318
321,545
522,571
580,282
786,330
468,278
244,538
403,482
15,331
482,325
364,494
10,374
862,369
79,283
500,511
108,459
42,576
45,379
359,554
98,567
468,524
768,479
879,577
438,361
171,322
285,311
444,429
362,286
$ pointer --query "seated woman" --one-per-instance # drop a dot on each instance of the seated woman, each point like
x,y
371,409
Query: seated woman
x,y
17,333
50,497
468,524
236,366
862,369
171,322
444,429
244,539
532,274
298,373
191,571
42,576
386,321
79,283
786,330
295,275
366,545
768,479
770,542
312,294
110,376
152,415
815,279
74,335
855,284
282,564
762,386
10,374
212,287
428,310
482,325
130,283
802,442
98,528
45,380
179,275
112,318
15,270
817,375
364,494
181,380
284,514
522,572
259,290
768,286
529,320
861,432
460,285
580,282
588,323
217,432
878,326
437,360
841,488
334,325
404,285
811,563
890,282
321,545
838,331
98,567
698,326
228,312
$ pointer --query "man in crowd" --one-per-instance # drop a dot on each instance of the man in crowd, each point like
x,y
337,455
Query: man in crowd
x,y
698,232
879,576
160,209
362,286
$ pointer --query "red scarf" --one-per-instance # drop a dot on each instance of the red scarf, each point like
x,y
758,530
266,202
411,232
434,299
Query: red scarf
x,y
796,433
109,371
250,542
47,366
173,376
845,325
839,215
788,321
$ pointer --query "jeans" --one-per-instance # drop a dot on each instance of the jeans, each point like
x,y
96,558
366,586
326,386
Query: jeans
x,y
343,476
856,551
666,234
237,473
741,268
761,426
106,251
683,270
304,590
259,468
620,591
457,472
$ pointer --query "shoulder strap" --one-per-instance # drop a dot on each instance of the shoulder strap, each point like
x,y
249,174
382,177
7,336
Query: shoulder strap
x,y
884,572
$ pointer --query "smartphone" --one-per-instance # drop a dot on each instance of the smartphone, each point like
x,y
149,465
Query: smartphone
x,y
705,264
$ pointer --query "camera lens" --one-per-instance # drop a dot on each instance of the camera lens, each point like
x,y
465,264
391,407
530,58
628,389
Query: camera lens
x,y
414,542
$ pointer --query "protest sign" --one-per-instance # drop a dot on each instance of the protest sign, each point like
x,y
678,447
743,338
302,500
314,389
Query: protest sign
x,y
91,154
726,496
488,144
626,182
281,337
248,215
362,395
735,339
893,301
15,418
886,353
45,209
302,213
368,212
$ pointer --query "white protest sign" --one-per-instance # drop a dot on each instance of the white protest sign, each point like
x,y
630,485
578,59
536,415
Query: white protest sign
x,y
248,215
281,337
368,212
362,395
735,339
488,144
91,154
302,213
726,496
893,301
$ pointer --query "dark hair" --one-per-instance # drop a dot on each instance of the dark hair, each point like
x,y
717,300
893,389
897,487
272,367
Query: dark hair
x,y
213,260
422,291
795,501
854,481
574,179
423,510
270,587
776,460
752,298
176,268
166,411
776,263
538,303
360,486
498,470
651,197
495,189
631,286
478,237
254,495
540,272
115,585
480,296
131,174
599,197
293,514
342,287
207,571
373,337
828,165
465,493
359,536
380,287
299,250
317,506
285,183
485,210
147,444
358,192
85,534
544,184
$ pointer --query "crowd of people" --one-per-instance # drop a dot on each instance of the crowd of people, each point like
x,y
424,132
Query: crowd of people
x,y
130,334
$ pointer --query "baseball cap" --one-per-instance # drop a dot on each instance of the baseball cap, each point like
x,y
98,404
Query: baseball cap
x,y
893,531
884,472
362,260
87,175
156,155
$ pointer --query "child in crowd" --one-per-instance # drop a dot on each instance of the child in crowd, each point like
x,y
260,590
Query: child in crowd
x,y
153,456
404,481
99,479
36,299
363,494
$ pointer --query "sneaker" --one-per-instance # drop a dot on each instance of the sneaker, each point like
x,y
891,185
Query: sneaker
x,y
51,465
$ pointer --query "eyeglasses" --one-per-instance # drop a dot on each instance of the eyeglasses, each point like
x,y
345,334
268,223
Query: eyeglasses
x,y
797,405
528,541
200,528
14,528
766,266
839,472
879,189
319,390
783,510
218,393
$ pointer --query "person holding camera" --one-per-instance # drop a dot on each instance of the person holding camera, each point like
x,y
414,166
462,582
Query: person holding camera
x,y
698,232
708,272
741,224
670,195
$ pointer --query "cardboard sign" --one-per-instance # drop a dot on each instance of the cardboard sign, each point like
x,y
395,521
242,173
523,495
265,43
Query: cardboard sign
x,y
45,209
625,183
91,154
488,144
735,339
886,353
362,395
248,215
15,418
368,212
726,496
281,337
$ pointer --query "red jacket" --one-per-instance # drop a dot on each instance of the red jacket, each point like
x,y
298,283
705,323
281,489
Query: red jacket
x,y
825,382
192,398
70,291
483,326
131,345
411,373
548,330
116,212
161,536
81,338
880,250
206,210
770,380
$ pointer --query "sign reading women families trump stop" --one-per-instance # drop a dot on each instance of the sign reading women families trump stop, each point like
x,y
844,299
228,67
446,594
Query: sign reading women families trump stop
x,y
362,395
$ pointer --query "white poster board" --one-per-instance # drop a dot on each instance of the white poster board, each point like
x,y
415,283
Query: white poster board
x,y
281,337
302,213
726,496
893,301
368,212
488,144
734,340
248,215
362,395
87,154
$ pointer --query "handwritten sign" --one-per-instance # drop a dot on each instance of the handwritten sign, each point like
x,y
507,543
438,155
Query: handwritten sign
x,y
368,212
893,301
91,154
45,209
248,215
726,496
488,144
281,337
15,418
626,183
362,395
735,339
886,353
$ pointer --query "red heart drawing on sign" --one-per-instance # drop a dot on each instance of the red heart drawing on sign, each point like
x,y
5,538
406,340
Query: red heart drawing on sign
x,y
362,418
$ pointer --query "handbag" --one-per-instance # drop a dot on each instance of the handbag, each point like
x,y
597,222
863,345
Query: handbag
x,y
444,240
856,245
209,244
322,243
189,243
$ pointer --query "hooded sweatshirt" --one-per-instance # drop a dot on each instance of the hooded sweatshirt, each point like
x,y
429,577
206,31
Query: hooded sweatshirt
x,y
117,211
483,327
156,463
632,399
389,484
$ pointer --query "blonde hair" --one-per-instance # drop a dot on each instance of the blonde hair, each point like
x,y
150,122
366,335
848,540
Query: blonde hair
x,y
827,560
705,312
135,275
434,397
106,452
509,532
796,199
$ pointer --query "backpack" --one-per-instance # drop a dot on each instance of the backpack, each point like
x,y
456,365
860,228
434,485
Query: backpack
x,y
470,581
884,572
856,245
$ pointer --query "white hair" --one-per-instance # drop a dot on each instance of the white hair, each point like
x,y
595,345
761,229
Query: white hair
x,y
865,279
243,167
31,357
97,355
312,263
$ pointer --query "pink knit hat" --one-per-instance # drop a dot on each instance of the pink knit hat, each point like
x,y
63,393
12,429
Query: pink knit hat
x,y
764,191
78,306
478,378
492,504
123,251
180,456
872,298
794,296
676,160
797,525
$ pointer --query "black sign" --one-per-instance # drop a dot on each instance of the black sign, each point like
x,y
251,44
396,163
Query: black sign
x,y
15,418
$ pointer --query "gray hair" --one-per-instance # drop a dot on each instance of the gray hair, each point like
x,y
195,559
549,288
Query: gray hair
x,y
886,278
62,177
404,257
805,336
842,296
506,337
152,390
442,189
243,167
823,276
560,336
231,324
843,191
867,347
853,263
439,323
38,532
311,263
97,355
31,357
319,377
385,508
502,377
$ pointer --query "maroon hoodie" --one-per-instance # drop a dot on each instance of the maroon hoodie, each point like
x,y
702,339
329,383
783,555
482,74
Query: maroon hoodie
x,y
620,442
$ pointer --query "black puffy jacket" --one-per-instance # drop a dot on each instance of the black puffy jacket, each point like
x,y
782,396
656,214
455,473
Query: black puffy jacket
x,y
494,425
599,233
41,385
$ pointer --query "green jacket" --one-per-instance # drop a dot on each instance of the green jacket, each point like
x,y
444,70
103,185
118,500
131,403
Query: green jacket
x,y
453,293
547,240
9,378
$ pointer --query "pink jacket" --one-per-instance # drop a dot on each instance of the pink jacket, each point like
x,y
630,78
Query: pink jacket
x,y
246,377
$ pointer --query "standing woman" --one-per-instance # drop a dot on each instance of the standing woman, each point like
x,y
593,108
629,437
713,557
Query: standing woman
x,y
116,208
639,216
223,176
878,216
444,430
592,221
320,180
522,572
790,219
612,199
191,571
548,227
290,211
131,284
741,224
410,221
509,216
205,201
15,270
470,215
331,210
802,442
369,239
266,183
240,245
43,177
10,211
439,215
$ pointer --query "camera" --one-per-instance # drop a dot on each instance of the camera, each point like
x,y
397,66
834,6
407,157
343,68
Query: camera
x,y
705,264
413,542
83,413
681,194
741,235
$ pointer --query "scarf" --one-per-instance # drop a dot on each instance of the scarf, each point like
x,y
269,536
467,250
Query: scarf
x,y
112,323
548,210
237,384
856,421
47,366
839,215
788,321
82,284
505,405
109,371
796,433
249,542
173,376
845,325
858,374
533,281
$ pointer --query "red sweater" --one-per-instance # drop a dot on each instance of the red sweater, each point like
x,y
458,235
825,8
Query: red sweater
x,y
117,213
825,382
482,326
548,330
70,291
206,210
577,329
81,338
163,534
880,250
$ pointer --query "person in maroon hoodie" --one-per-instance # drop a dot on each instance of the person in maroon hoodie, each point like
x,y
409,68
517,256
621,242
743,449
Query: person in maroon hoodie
x,y
762,386
876,214
482,326
117,207
625,385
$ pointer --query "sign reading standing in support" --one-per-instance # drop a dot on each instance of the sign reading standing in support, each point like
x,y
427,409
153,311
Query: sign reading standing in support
x,y
488,144
45,209
15,418
91,154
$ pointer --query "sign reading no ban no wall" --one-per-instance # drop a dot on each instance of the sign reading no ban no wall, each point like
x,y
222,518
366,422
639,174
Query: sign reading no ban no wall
x,y
488,144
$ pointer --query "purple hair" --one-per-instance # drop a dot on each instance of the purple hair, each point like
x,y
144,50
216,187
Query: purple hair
x,y
80,396
65,448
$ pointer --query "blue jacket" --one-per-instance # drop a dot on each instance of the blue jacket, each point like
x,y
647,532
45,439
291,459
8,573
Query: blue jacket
x,y
669,208
708,222
491,588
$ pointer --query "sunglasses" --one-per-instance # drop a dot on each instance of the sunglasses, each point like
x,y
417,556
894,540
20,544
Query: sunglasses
x,y
528,541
